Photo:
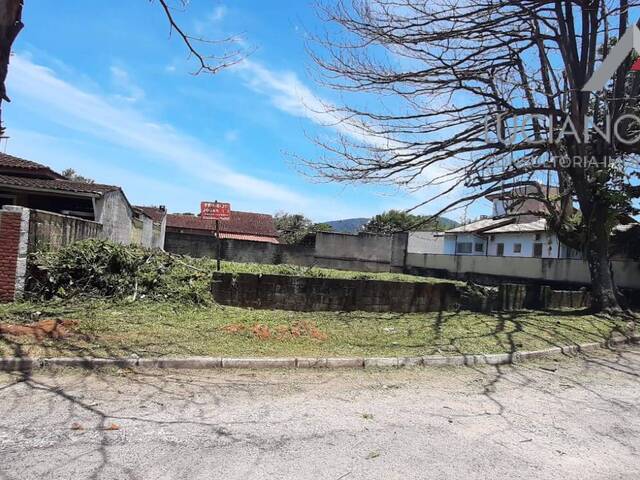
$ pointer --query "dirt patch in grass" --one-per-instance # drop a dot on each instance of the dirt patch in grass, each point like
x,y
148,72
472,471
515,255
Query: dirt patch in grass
x,y
55,328
146,328
282,332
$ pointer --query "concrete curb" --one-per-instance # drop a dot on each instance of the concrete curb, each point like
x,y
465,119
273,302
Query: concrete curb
x,y
28,364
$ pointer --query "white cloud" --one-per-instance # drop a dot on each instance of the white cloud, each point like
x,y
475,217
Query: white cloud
x,y
218,13
211,20
93,113
290,95
123,82
231,135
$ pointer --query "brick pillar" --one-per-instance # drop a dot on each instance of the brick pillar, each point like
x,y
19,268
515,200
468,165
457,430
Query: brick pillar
x,y
14,228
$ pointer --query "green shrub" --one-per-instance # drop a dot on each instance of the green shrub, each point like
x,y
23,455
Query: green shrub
x,y
99,268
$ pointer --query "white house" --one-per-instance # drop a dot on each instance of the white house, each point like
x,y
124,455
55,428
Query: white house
x,y
515,230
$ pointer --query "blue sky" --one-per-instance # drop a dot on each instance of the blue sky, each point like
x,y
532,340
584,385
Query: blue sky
x,y
105,90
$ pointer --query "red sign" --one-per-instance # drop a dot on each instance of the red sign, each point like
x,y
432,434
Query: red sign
x,y
215,211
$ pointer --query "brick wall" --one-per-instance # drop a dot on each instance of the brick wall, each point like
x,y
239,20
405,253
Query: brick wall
x,y
9,248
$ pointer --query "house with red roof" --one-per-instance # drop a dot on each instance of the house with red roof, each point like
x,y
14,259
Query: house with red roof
x,y
256,227
32,185
153,233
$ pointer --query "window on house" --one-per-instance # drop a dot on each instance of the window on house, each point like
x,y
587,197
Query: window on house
x,y
538,236
537,250
464,247
517,247
480,247
500,249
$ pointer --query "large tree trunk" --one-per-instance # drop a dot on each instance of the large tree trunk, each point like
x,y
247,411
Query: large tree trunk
x,y
603,290
10,26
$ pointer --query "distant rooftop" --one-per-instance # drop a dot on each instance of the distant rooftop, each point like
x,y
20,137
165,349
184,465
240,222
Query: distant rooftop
x,y
15,165
482,225
247,223
155,213
59,185
539,225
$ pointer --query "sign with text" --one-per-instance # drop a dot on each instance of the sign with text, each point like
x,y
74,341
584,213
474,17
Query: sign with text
x,y
215,211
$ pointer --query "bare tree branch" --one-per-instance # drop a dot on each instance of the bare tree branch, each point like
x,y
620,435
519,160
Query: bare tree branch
x,y
433,93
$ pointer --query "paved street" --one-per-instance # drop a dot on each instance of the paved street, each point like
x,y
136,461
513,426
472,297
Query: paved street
x,y
573,419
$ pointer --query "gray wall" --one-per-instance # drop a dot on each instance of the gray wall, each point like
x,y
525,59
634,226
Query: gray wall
x,y
330,294
147,231
115,215
426,242
367,253
543,270
159,232
238,250
365,246
53,231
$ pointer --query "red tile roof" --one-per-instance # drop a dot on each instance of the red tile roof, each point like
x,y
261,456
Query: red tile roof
x,y
61,185
241,222
252,238
155,213
11,164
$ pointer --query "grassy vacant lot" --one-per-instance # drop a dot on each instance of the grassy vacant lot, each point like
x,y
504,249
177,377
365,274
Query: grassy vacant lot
x,y
156,329
101,269
257,268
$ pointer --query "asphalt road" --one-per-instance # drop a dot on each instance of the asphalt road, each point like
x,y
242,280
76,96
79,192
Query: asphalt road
x,y
573,419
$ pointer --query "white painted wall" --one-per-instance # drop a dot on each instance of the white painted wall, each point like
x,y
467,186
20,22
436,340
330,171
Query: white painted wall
x,y
452,240
626,273
526,240
115,215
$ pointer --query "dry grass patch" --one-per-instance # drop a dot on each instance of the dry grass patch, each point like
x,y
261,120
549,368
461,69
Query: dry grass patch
x,y
146,328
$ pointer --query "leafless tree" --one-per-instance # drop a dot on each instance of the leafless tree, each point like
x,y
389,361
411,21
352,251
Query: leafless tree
x,y
451,78
10,26
225,50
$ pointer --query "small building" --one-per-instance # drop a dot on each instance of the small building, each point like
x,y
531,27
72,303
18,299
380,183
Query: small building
x,y
154,230
516,229
469,239
255,227
36,186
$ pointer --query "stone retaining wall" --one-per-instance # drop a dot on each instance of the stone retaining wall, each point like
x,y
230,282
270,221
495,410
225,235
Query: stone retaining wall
x,y
286,292
329,294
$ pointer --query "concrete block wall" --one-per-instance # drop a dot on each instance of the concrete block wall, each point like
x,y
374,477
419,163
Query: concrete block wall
x,y
53,231
518,270
331,294
115,214
23,231
365,253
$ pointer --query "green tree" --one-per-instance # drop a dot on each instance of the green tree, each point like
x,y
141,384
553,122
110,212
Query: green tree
x,y
71,174
295,227
398,221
